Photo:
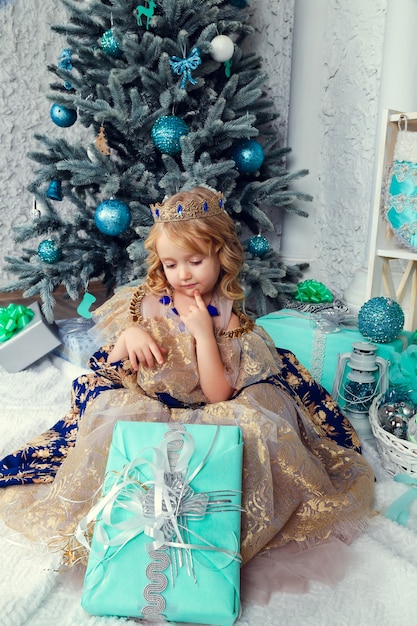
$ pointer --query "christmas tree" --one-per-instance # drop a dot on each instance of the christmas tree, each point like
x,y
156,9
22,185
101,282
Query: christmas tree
x,y
169,100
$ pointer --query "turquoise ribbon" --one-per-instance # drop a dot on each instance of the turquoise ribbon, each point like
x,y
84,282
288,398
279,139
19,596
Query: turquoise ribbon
x,y
399,511
185,65
12,319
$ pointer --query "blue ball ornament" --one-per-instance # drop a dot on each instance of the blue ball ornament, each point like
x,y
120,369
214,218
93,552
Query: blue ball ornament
x,y
109,44
112,217
380,319
248,156
258,246
49,251
167,132
62,116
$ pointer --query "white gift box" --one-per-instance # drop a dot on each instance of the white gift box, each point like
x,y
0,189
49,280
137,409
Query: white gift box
x,y
29,344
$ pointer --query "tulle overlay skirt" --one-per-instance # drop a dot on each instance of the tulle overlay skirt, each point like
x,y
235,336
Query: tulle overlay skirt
x,y
307,490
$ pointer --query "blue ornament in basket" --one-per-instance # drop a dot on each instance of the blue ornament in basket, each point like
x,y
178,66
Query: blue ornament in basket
x,y
381,319
412,429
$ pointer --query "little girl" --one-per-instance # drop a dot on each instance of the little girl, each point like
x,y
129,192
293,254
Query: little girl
x,y
179,349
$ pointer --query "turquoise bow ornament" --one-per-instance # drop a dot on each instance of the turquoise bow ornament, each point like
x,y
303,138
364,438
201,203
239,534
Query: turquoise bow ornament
x,y
399,511
186,65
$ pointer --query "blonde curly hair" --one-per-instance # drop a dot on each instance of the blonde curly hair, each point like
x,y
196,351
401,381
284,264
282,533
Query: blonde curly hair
x,y
206,235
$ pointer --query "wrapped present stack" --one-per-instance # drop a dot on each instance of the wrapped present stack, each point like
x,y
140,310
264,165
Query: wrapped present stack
x,y
25,336
166,534
77,343
317,327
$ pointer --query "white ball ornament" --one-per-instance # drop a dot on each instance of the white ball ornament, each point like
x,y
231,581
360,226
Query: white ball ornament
x,y
222,48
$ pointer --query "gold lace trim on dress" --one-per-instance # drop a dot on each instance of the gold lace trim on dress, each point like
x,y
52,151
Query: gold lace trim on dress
x,y
135,306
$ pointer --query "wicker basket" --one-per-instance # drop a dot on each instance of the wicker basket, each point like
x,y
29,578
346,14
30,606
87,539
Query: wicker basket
x,y
397,455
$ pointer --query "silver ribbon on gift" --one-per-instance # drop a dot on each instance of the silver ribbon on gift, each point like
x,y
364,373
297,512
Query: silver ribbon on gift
x,y
323,322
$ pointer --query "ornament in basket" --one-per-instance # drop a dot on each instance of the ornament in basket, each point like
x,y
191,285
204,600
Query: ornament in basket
x,y
393,419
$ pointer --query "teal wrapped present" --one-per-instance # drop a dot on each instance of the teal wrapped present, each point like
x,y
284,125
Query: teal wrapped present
x,y
166,534
317,340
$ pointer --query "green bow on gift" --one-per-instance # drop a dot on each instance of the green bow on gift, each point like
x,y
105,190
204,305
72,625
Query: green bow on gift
x,y
12,319
312,291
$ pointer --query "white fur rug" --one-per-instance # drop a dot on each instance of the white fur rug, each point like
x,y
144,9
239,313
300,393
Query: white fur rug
x,y
379,588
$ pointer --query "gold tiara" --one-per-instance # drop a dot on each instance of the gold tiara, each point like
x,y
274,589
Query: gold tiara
x,y
169,211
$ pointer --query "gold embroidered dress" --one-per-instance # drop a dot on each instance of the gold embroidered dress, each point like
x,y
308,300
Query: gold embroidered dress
x,y
299,484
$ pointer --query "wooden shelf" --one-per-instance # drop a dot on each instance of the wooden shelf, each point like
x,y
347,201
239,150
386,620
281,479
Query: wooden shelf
x,y
392,268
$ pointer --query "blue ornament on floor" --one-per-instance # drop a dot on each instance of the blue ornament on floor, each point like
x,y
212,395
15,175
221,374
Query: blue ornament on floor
x,y
109,44
381,319
62,116
112,217
258,246
49,252
167,132
248,155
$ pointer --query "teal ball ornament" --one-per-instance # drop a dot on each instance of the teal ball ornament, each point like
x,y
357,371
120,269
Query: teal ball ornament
x,y
112,217
109,44
62,116
380,319
167,132
49,251
248,156
258,246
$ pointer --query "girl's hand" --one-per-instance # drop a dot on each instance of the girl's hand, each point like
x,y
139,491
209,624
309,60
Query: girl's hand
x,y
139,346
198,320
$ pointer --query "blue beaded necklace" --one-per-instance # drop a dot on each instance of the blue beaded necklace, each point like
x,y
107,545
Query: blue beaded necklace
x,y
167,300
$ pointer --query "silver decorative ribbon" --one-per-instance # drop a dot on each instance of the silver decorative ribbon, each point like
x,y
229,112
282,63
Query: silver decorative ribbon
x,y
323,322
185,65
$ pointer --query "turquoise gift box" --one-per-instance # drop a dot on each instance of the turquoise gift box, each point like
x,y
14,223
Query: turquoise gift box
x,y
166,534
317,349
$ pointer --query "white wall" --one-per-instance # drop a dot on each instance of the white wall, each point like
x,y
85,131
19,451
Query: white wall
x,y
337,57
27,46
336,110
